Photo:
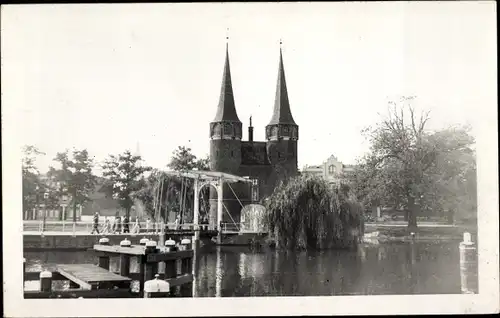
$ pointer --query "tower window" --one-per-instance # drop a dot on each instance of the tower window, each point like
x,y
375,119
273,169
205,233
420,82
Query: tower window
x,y
331,169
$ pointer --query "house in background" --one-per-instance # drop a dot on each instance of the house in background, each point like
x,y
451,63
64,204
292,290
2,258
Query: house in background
x,y
331,170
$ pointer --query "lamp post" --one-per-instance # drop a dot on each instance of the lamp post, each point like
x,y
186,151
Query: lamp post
x,y
64,199
45,196
37,188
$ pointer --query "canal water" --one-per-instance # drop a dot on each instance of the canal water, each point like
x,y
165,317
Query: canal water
x,y
385,269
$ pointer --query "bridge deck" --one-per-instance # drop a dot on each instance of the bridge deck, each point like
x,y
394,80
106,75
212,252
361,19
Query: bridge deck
x,y
89,276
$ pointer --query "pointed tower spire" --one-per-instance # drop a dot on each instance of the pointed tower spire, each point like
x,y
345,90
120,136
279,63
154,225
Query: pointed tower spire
x,y
282,126
137,149
226,110
226,124
282,113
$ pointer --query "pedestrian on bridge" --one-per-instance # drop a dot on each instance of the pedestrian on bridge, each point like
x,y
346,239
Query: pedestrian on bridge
x,y
107,226
148,224
137,226
118,225
95,224
126,225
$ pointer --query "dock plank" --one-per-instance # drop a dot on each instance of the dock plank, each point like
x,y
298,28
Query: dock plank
x,y
87,275
132,250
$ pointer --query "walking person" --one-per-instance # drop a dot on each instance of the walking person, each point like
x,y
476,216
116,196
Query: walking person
x,y
95,224
126,225
137,226
107,226
176,222
118,225
148,224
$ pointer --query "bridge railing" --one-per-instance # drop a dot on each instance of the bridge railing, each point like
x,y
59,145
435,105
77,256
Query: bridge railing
x,y
230,228
87,227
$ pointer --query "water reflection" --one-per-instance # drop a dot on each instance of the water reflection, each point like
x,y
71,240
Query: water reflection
x,y
399,268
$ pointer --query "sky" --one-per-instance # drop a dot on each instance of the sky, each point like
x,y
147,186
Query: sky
x,y
112,77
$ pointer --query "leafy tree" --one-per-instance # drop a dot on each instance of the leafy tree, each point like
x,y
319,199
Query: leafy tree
x,y
125,175
452,187
30,177
406,163
75,176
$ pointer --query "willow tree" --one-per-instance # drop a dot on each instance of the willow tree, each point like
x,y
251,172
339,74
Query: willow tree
x,y
307,212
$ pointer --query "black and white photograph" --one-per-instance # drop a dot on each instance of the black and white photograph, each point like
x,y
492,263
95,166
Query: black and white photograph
x,y
203,159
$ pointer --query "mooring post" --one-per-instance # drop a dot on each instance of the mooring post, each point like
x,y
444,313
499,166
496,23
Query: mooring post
x,y
125,259
151,268
24,269
186,268
45,281
171,265
143,241
161,245
142,264
468,265
186,263
156,288
104,258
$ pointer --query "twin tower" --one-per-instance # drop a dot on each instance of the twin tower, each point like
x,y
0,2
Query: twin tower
x,y
265,162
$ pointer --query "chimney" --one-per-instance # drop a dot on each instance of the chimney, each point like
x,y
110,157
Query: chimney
x,y
250,130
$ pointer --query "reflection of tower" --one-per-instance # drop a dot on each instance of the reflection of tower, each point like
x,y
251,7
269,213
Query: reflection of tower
x,y
218,273
241,266
195,266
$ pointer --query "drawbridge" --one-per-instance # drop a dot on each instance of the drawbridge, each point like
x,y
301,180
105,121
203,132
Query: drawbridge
x,y
200,180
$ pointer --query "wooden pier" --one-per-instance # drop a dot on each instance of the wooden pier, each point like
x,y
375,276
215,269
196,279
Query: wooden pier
x,y
97,281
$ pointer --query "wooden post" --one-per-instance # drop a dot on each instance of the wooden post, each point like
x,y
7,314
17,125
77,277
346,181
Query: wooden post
x,y
45,281
161,244
186,268
186,263
468,265
142,265
171,268
104,258
125,259
125,265
24,269
104,262
151,269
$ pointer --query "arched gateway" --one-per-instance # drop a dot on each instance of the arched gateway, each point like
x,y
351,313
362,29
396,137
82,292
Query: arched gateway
x,y
206,178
